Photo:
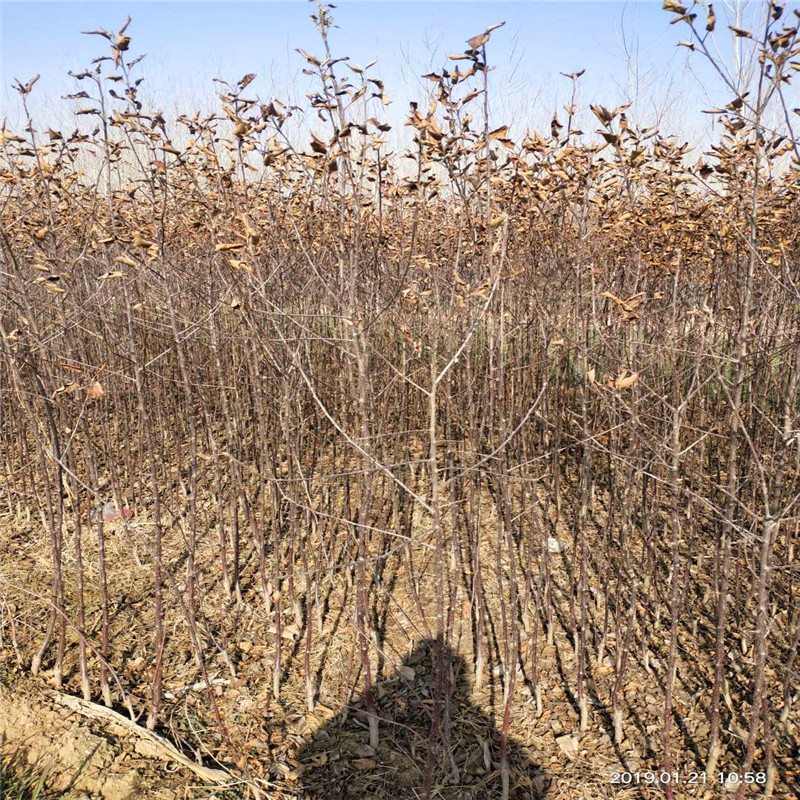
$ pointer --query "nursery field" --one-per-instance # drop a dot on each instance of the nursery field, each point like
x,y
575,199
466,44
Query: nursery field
x,y
466,467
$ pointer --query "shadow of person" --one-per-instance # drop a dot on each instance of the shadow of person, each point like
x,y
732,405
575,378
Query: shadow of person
x,y
418,755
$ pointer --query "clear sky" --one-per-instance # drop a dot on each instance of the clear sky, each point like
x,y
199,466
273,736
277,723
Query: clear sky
x,y
627,48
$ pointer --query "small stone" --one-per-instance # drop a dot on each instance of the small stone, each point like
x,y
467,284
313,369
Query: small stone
x,y
407,672
568,745
556,725
556,546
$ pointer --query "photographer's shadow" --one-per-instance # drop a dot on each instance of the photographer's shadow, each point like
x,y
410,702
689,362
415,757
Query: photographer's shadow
x,y
414,759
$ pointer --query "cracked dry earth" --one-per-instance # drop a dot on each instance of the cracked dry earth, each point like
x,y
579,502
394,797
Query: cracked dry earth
x,y
85,759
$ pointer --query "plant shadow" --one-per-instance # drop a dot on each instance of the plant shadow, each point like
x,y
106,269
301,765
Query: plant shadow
x,y
418,755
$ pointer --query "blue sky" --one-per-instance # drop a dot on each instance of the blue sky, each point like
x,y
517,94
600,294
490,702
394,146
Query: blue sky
x,y
627,48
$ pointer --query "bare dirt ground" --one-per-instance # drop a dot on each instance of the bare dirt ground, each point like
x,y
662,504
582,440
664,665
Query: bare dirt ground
x,y
80,758
301,755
